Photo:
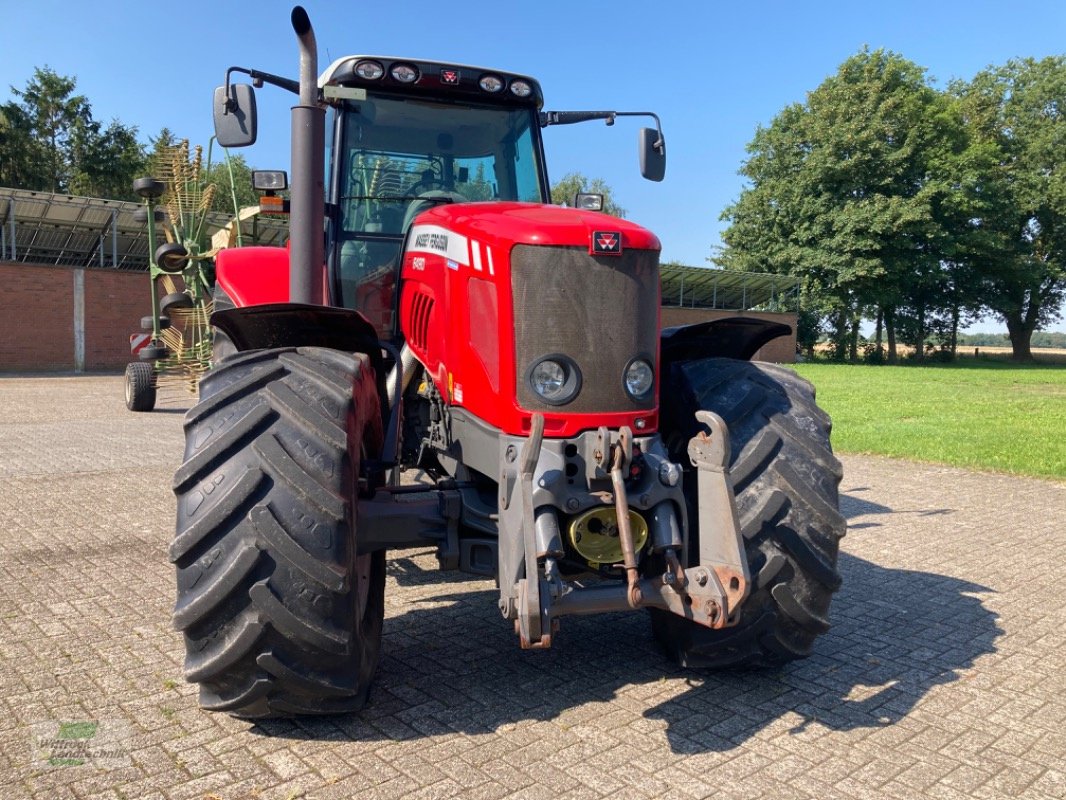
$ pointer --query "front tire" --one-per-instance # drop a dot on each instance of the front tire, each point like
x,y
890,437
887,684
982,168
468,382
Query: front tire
x,y
280,614
785,478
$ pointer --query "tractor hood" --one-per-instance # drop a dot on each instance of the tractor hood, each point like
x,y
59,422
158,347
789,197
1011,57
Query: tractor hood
x,y
492,290
508,224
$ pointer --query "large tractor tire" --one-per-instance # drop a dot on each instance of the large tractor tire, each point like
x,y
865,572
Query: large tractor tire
x,y
785,478
281,616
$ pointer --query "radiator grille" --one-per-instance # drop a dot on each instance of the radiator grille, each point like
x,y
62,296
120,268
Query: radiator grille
x,y
601,311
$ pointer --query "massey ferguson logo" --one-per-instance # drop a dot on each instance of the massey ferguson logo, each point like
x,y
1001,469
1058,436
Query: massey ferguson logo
x,y
607,243
449,77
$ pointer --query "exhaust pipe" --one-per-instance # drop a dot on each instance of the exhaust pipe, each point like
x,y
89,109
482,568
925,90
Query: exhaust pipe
x,y
306,256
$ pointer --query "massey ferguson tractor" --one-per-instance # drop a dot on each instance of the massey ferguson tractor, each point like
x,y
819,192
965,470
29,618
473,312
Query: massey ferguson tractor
x,y
433,313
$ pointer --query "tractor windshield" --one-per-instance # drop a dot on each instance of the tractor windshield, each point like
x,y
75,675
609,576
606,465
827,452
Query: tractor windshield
x,y
401,156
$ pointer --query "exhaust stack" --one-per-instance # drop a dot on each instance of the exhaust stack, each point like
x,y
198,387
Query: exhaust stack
x,y
306,257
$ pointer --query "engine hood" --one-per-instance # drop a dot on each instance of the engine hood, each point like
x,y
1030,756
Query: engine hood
x,y
507,224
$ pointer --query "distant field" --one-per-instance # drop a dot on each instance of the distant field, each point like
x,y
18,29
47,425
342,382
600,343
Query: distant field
x,y
1043,355
977,414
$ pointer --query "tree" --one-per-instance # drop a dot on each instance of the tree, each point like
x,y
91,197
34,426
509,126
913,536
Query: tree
x,y
49,141
572,183
105,163
54,113
20,157
219,173
1017,155
847,190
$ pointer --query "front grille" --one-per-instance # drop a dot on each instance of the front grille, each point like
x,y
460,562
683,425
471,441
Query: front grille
x,y
599,310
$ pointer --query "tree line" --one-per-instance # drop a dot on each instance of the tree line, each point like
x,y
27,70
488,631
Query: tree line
x,y
915,208
51,142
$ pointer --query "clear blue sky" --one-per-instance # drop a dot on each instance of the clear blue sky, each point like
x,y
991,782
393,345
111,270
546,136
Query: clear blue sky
x,y
712,70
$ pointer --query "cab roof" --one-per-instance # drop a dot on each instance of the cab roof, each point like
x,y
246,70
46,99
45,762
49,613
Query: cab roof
x,y
435,78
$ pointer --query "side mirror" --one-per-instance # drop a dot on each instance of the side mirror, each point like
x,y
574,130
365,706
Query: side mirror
x,y
652,154
235,120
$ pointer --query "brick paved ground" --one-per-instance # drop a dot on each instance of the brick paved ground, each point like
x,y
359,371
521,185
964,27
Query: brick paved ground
x,y
944,674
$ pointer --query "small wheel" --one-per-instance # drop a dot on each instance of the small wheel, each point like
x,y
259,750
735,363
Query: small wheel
x,y
175,300
141,215
140,392
171,257
149,187
148,323
153,352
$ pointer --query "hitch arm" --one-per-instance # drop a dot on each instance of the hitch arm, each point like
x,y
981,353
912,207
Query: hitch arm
x,y
529,625
721,542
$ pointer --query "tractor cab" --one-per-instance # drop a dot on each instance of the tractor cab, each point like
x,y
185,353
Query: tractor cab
x,y
408,136
401,137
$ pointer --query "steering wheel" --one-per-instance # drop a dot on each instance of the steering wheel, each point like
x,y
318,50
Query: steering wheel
x,y
428,182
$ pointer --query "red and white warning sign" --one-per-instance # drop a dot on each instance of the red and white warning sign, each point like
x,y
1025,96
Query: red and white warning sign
x,y
138,341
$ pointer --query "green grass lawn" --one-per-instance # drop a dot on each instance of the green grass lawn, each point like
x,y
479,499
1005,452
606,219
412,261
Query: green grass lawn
x,y
978,415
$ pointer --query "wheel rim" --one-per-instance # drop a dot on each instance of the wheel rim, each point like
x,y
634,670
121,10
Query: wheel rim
x,y
129,390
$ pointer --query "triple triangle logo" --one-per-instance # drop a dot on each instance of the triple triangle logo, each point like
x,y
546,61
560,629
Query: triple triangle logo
x,y
607,243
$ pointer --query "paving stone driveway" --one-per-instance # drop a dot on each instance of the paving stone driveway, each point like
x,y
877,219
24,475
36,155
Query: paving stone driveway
x,y
944,674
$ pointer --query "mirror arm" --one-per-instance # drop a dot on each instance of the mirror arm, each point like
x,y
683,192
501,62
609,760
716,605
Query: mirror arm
x,y
570,117
258,79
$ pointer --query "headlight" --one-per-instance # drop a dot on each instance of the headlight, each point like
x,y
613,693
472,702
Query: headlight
x,y
639,378
369,70
555,379
490,83
521,89
404,73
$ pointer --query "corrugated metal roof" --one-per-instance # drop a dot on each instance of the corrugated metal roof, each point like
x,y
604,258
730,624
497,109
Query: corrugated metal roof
x,y
704,287
66,230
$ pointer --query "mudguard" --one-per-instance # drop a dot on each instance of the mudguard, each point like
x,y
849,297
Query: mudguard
x,y
299,325
734,337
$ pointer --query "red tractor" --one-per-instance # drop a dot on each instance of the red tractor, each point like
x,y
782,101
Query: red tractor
x,y
452,321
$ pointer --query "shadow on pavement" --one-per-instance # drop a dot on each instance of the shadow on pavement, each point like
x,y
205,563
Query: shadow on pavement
x,y
852,506
451,664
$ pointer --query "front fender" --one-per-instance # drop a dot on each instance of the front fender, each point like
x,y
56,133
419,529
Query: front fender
x,y
297,325
733,337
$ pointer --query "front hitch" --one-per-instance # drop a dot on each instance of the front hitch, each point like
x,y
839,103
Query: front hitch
x,y
709,593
